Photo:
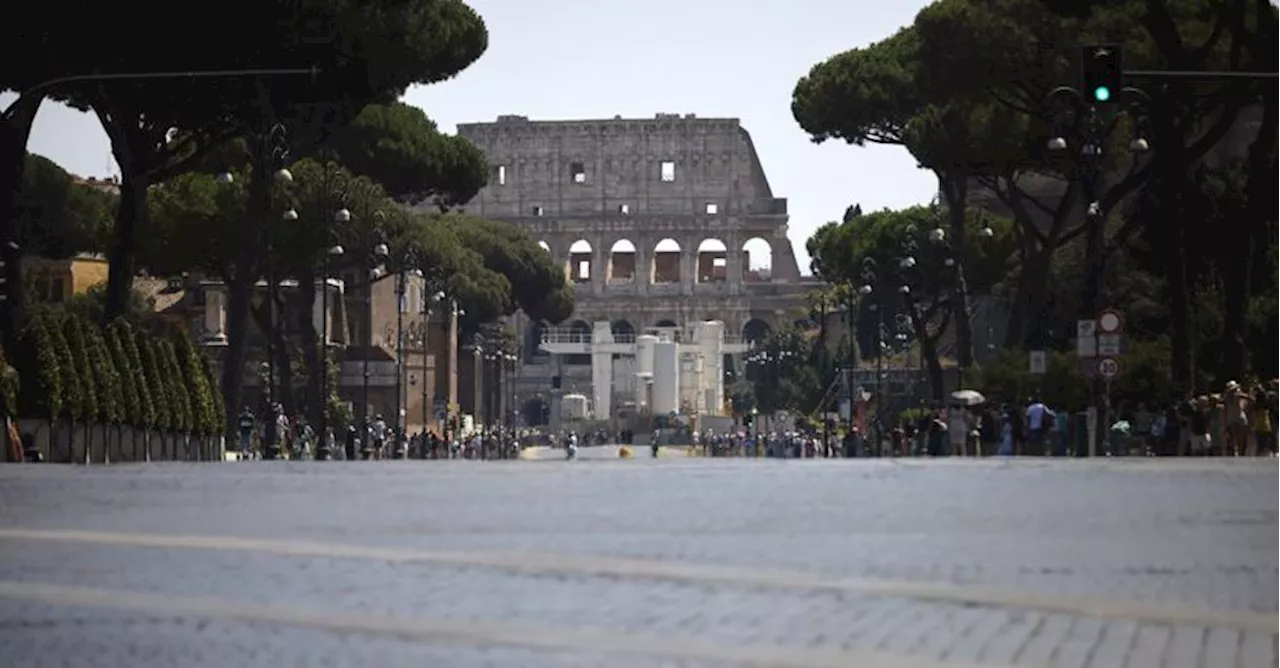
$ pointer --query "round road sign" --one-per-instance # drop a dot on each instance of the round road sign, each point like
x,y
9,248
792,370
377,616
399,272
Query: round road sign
x,y
1110,322
1108,367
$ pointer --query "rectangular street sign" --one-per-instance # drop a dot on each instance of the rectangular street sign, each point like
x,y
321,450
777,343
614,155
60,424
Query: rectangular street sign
x,y
1086,338
1039,364
1108,345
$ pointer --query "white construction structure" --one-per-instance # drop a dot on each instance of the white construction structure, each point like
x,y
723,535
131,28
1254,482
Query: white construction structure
x,y
663,370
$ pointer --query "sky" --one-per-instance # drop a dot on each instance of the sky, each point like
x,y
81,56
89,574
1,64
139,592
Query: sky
x,y
584,59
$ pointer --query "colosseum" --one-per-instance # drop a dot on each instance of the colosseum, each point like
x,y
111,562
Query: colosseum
x,y
661,223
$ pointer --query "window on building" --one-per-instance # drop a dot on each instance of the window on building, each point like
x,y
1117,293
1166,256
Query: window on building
x,y
624,209
668,171
579,172
713,208
500,174
537,211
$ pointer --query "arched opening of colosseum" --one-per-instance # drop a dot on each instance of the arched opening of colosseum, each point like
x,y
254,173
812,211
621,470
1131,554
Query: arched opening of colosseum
x,y
579,269
666,261
545,246
623,331
579,332
713,261
533,346
755,330
670,327
757,260
622,262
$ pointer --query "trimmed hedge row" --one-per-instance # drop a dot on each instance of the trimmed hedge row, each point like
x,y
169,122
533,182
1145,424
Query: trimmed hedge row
x,y
70,369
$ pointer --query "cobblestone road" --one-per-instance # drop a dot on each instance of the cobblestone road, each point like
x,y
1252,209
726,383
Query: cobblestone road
x,y
673,562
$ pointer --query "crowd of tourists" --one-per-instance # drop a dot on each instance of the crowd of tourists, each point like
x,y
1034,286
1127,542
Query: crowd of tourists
x,y
277,436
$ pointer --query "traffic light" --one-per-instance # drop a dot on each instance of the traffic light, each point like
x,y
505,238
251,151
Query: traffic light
x,y
1102,76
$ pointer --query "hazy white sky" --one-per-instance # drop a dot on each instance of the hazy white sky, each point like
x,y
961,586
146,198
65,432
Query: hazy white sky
x,y
560,59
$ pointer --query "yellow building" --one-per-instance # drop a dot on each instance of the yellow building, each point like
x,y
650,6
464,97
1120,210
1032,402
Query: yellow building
x,y
57,280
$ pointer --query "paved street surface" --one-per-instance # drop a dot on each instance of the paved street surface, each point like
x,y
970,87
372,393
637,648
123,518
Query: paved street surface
x,y
621,563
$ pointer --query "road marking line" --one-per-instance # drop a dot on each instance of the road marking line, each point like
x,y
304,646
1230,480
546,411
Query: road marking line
x,y
467,631
611,566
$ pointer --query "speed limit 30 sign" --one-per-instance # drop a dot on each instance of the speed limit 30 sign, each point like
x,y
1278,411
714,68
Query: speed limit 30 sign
x,y
1108,367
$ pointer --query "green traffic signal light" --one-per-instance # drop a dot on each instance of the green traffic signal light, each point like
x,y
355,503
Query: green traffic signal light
x,y
1101,94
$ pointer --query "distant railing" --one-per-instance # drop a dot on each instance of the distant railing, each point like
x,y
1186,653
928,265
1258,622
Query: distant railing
x,y
554,335
570,335
565,335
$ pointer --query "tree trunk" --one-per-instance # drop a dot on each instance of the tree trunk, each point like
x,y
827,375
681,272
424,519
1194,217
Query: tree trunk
x,y
929,355
1238,275
15,130
121,256
1030,299
278,334
240,293
957,195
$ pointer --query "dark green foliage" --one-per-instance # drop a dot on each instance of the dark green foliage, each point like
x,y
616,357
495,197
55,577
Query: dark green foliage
x,y
73,331
400,148
199,394
176,385
219,408
783,378
137,400
153,372
10,383
58,217
73,390
111,403
38,372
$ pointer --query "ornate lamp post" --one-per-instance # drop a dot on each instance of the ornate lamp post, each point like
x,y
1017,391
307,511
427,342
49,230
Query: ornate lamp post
x,y
407,267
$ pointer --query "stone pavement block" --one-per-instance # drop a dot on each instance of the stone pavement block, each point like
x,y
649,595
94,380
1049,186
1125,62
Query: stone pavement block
x,y
1186,647
1150,646
1258,650
982,626
1112,648
1050,633
1222,647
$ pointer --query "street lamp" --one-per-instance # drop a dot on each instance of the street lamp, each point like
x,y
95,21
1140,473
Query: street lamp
x,y
276,144
409,259
341,216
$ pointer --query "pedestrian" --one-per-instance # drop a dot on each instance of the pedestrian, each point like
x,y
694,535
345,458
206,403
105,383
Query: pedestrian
x,y
1235,415
1260,421
1005,448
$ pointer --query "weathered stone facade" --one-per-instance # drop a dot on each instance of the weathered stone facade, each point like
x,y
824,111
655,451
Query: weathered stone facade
x,y
651,218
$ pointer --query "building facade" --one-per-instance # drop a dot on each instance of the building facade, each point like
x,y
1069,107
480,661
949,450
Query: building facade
x,y
367,319
655,221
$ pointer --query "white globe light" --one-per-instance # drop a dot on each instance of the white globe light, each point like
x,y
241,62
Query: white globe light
x,y
291,214
937,235
226,178
342,216
284,175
